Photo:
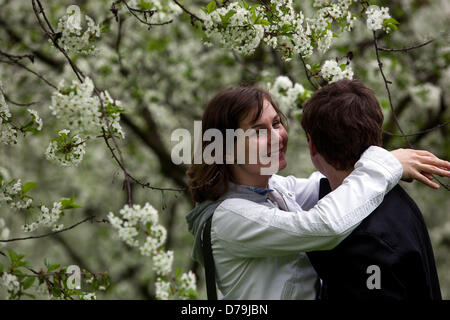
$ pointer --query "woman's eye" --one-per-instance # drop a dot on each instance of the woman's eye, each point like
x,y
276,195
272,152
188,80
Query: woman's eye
x,y
276,124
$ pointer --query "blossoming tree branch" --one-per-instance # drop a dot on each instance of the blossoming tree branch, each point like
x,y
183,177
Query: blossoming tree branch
x,y
163,59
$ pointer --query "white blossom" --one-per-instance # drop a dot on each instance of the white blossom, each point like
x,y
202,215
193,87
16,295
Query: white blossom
x,y
286,93
75,39
79,109
325,42
36,118
46,218
11,193
10,282
186,284
8,134
162,289
65,150
162,262
88,296
133,218
332,72
376,17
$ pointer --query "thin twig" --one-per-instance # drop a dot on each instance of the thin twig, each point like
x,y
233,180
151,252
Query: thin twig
x,y
145,185
307,72
193,16
386,84
406,49
15,62
419,132
54,232
133,10
253,73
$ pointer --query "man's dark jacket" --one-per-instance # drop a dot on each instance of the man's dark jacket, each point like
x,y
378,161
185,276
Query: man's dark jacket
x,y
394,237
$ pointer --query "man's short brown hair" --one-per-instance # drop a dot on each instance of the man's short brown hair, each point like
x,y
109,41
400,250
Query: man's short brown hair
x,y
343,119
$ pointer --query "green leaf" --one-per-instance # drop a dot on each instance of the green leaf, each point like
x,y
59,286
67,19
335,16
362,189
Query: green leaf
x,y
226,18
253,11
391,23
53,267
29,186
69,203
263,22
145,5
56,291
28,282
211,6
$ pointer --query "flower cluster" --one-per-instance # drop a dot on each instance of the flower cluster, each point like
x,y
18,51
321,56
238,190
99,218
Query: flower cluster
x,y
332,72
162,289
129,223
80,110
376,17
9,282
187,284
11,193
88,296
46,218
242,27
66,150
234,27
36,119
8,134
287,94
135,218
73,37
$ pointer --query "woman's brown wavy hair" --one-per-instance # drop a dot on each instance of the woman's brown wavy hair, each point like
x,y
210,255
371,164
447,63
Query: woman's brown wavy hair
x,y
224,111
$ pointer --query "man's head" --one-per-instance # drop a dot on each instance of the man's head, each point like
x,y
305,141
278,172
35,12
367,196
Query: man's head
x,y
341,120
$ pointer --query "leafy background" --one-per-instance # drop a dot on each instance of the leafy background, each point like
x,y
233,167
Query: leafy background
x,y
164,76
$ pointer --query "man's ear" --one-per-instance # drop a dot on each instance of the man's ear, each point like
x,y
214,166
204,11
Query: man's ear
x,y
312,147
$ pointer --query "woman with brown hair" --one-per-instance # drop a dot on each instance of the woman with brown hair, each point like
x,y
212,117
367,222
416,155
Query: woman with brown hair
x,y
259,225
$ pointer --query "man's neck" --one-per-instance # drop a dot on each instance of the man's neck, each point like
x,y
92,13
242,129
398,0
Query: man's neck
x,y
335,177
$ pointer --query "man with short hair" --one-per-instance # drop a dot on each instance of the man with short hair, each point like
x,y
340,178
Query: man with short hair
x,y
389,255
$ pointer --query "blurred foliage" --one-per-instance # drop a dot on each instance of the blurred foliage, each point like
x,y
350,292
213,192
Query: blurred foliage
x,y
164,76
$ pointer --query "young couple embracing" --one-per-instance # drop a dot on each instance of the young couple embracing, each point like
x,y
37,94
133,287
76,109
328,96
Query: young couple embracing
x,y
347,231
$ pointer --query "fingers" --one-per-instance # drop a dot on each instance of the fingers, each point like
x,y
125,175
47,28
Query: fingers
x,y
416,175
429,176
429,158
426,168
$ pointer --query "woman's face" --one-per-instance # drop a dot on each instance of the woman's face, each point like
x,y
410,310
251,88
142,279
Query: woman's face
x,y
270,138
